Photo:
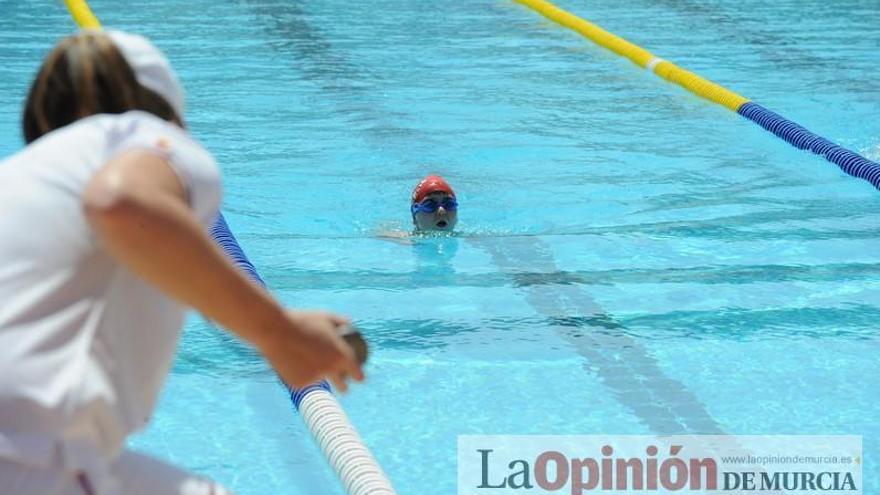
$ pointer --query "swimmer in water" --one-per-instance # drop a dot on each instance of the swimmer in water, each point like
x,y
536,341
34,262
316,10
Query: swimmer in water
x,y
433,207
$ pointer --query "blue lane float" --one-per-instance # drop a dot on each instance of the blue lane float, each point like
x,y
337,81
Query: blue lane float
x,y
224,238
850,162
297,395
343,447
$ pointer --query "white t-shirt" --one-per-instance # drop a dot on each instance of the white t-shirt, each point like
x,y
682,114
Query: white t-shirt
x,y
85,344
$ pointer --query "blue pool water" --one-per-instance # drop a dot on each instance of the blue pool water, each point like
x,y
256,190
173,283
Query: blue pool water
x,y
631,259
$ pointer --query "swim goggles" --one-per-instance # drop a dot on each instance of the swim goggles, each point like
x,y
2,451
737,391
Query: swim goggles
x,y
431,205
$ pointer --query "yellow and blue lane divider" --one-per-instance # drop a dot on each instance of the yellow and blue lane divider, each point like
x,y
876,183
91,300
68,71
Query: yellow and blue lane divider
x,y
850,162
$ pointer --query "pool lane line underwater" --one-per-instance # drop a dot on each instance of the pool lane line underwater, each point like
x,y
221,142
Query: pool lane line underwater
x,y
342,83
619,361
672,408
340,442
850,162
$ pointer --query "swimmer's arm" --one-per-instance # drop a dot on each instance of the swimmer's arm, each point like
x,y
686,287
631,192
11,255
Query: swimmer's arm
x,y
390,233
398,237
138,207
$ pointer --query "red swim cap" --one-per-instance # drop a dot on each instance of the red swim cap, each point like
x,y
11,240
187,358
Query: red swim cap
x,y
431,184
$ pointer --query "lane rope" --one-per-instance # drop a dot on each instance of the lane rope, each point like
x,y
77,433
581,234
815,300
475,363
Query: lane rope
x,y
847,160
343,447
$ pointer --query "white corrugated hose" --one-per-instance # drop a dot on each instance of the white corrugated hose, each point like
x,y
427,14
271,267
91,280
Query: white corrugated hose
x,y
345,451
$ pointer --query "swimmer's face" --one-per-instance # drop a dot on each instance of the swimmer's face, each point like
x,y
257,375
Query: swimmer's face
x,y
440,219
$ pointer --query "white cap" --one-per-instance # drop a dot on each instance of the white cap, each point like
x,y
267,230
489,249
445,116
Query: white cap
x,y
151,68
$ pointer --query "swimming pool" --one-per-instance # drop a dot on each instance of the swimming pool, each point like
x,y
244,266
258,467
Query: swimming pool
x,y
632,259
